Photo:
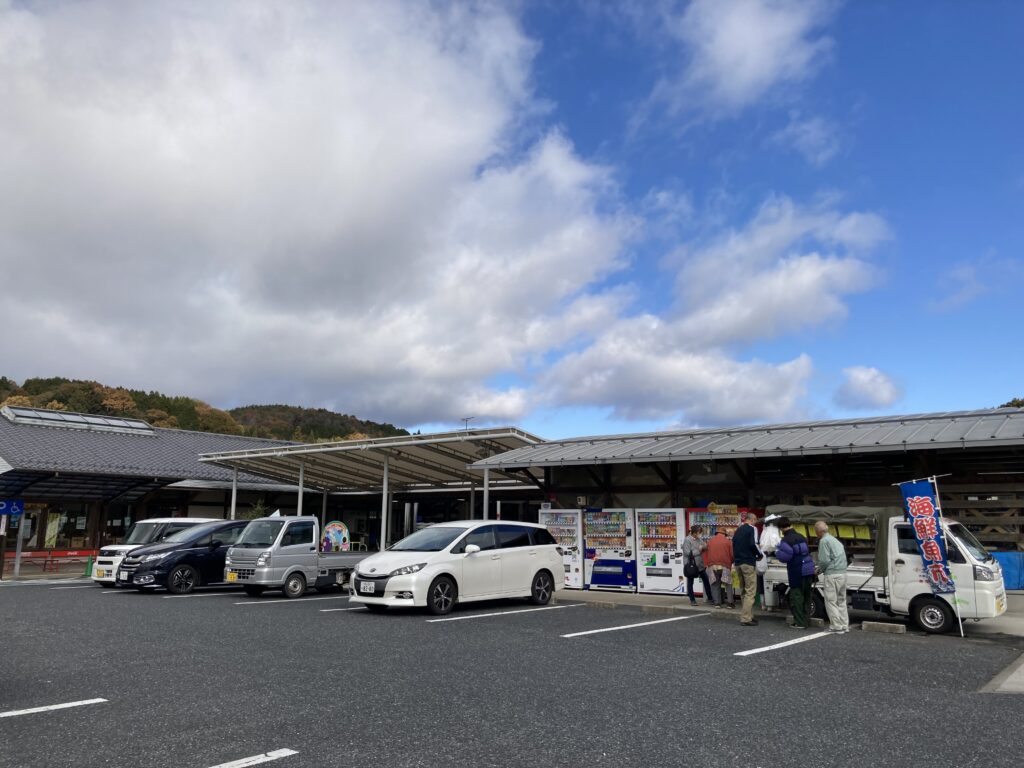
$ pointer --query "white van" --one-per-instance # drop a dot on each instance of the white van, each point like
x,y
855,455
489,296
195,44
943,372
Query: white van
x,y
104,570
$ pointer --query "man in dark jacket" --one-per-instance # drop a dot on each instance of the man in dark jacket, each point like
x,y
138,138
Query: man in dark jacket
x,y
745,553
795,553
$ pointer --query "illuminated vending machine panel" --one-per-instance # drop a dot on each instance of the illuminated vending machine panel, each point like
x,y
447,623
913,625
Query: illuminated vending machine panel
x,y
660,534
711,519
566,526
610,549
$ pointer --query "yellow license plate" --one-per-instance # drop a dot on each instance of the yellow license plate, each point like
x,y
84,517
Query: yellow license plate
x,y
232,576
100,574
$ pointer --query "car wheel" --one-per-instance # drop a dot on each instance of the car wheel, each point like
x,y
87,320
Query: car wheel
x,y
295,585
376,608
542,589
818,606
933,615
182,579
253,591
441,596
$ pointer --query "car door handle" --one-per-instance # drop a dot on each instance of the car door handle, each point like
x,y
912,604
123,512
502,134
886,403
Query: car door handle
x,y
900,562
312,549
495,557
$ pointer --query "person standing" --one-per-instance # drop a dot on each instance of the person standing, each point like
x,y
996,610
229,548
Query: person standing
x,y
832,567
694,547
794,552
718,559
744,556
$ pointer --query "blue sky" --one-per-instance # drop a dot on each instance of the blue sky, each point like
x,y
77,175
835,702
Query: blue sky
x,y
579,218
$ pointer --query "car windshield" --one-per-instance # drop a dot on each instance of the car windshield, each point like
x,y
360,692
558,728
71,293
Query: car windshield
x,y
192,532
260,533
432,539
968,542
143,533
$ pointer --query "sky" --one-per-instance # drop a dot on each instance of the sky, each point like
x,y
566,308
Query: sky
x,y
578,218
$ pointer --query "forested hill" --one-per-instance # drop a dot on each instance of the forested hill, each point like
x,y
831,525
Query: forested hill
x,y
285,422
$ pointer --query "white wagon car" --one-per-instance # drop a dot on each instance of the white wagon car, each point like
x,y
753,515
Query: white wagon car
x,y
460,562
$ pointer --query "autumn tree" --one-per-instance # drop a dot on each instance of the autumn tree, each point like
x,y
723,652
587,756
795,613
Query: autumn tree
x,y
55,405
118,402
1017,402
18,401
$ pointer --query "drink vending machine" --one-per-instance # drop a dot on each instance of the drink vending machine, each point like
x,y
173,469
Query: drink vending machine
x,y
610,549
566,525
660,534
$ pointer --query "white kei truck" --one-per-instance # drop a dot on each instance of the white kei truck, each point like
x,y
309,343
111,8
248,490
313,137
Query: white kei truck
x,y
283,553
888,577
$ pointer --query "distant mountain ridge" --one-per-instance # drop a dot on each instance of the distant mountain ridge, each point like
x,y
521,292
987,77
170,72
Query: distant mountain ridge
x,y
283,422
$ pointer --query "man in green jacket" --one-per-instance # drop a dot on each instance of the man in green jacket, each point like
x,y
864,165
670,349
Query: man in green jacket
x,y
832,567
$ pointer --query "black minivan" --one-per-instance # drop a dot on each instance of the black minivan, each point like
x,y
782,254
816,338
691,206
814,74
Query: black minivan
x,y
183,561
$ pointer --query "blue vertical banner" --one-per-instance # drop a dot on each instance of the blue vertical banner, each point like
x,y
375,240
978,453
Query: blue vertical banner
x,y
921,502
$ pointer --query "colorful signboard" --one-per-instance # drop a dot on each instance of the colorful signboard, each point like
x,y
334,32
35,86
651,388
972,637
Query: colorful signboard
x,y
921,501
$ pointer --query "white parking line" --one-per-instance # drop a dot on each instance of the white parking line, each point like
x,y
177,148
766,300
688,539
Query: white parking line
x,y
634,626
751,652
87,586
294,601
50,708
203,594
122,591
334,610
503,613
266,757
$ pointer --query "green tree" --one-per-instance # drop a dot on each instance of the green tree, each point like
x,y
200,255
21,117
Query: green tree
x,y
1017,402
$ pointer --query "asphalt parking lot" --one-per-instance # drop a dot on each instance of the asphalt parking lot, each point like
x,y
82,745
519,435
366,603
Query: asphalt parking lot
x,y
221,679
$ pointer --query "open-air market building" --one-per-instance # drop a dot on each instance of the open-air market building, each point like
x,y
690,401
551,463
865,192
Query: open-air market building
x,y
85,479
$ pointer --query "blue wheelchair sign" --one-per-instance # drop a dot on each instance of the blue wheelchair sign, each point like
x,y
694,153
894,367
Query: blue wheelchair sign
x,y
11,506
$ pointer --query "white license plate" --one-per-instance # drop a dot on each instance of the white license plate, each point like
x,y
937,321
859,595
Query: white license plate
x,y
367,586
122,576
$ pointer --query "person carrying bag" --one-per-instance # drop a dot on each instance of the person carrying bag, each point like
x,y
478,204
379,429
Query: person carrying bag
x,y
693,564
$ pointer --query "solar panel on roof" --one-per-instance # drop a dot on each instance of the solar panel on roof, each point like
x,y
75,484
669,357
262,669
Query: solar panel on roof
x,y
42,417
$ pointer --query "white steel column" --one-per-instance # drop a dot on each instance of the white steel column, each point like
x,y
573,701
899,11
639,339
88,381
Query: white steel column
x,y
385,496
234,492
472,502
22,527
302,482
487,493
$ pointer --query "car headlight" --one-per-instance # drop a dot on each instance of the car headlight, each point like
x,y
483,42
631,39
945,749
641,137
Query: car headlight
x,y
981,573
227,560
264,558
157,556
406,570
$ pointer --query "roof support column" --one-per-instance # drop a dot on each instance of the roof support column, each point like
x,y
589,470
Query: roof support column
x,y
302,482
323,513
385,495
487,492
234,492
472,502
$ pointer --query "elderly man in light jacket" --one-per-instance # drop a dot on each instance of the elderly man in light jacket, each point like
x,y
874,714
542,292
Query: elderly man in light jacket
x,y
832,569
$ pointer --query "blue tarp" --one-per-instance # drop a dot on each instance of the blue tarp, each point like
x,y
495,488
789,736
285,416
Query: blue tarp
x,y
1013,568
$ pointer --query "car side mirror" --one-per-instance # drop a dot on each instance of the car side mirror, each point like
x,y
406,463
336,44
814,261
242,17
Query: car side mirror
x,y
215,543
472,549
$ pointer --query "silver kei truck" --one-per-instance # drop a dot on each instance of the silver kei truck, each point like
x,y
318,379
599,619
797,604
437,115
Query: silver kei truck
x,y
886,574
282,553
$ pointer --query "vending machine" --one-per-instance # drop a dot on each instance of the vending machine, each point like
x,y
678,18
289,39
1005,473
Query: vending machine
x,y
566,525
609,549
660,534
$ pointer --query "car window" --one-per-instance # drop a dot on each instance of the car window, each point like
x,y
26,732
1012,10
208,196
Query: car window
x,y
510,536
205,541
174,528
483,537
229,535
542,536
298,533
905,540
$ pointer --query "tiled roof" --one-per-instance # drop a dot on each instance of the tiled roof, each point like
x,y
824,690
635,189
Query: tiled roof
x,y
960,429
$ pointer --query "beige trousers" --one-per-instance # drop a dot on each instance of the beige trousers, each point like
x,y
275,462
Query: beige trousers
x,y
834,587
748,578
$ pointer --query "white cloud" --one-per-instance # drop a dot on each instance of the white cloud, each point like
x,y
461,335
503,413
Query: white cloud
x,y
740,50
865,388
815,138
967,281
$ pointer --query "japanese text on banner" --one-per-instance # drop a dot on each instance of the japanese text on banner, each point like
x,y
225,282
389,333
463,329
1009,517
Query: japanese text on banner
x,y
920,498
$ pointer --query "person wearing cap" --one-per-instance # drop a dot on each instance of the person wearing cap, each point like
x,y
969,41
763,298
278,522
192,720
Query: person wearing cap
x,y
745,555
718,559
832,567
794,552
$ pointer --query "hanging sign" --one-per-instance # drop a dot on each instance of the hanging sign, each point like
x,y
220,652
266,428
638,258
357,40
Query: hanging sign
x,y
921,501
11,506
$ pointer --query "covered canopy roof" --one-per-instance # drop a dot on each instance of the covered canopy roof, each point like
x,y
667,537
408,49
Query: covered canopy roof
x,y
413,461
960,429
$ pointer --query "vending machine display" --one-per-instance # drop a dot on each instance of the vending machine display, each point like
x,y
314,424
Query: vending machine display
x,y
610,549
566,526
660,534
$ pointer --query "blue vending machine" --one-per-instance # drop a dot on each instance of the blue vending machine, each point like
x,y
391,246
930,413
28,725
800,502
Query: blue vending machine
x,y
610,549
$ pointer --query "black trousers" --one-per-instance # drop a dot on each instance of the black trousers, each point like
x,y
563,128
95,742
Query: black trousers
x,y
707,586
